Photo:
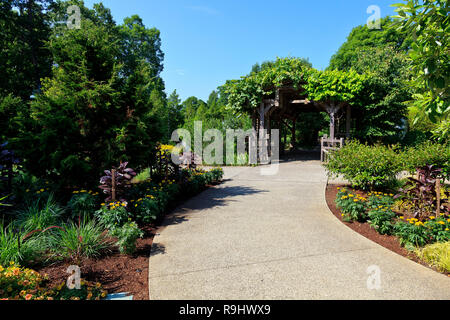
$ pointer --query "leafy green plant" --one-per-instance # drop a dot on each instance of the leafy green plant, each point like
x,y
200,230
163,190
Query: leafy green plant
x,y
19,283
428,22
147,210
127,236
366,167
353,206
2,204
382,220
436,255
427,153
413,232
112,215
82,204
378,200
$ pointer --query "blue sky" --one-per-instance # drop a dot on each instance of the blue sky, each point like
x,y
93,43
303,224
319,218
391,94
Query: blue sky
x,y
208,42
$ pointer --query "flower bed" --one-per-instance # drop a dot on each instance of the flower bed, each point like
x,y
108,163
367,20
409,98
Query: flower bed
x,y
50,235
378,216
18,283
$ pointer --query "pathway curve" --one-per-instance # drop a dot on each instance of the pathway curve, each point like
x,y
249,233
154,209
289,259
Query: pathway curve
x,y
273,237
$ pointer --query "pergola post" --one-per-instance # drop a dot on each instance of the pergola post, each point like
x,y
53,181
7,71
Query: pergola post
x,y
332,124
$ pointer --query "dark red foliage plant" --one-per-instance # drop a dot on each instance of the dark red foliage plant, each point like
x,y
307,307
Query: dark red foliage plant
x,y
122,180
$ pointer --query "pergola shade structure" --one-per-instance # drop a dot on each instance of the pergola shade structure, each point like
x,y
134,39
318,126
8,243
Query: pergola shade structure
x,y
288,87
288,103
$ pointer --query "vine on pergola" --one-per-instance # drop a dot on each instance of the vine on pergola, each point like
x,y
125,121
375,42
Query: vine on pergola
x,y
332,88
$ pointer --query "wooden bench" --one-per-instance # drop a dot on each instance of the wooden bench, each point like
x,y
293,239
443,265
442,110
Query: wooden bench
x,y
327,145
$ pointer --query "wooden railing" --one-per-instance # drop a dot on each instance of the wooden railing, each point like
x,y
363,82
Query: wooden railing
x,y
327,145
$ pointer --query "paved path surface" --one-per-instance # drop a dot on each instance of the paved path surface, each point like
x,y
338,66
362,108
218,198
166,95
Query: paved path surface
x,y
273,237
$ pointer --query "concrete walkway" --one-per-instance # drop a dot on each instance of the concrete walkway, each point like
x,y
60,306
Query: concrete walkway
x,y
273,237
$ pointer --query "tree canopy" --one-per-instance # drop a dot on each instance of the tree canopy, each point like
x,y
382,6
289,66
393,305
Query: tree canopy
x,y
428,22
102,103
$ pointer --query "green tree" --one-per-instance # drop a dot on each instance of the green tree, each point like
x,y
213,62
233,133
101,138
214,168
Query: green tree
x,y
382,54
24,58
362,38
175,111
95,110
429,24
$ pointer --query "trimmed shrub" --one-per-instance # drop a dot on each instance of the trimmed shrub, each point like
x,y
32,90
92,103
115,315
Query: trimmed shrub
x,y
366,167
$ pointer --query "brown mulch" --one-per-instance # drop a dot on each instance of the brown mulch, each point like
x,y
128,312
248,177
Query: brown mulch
x,y
389,242
116,272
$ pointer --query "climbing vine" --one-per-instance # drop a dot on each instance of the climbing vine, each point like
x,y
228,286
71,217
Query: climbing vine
x,y
321,86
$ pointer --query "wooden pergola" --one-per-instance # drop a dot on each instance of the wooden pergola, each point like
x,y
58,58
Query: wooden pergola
x,y
287,103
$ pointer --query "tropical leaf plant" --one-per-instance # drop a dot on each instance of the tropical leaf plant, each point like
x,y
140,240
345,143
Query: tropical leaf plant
x,y
122,180
421,191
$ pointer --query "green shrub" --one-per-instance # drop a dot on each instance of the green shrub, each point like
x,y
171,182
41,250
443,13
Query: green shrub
x,y
365,166
436,255
427,153
114,214
382,220
75,242
82,204
127,236
352,206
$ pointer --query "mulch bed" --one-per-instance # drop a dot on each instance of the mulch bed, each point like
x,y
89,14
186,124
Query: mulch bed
x,y
389,242
116,272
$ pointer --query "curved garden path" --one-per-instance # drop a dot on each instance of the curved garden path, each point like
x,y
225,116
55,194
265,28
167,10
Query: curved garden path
x,y
273,237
